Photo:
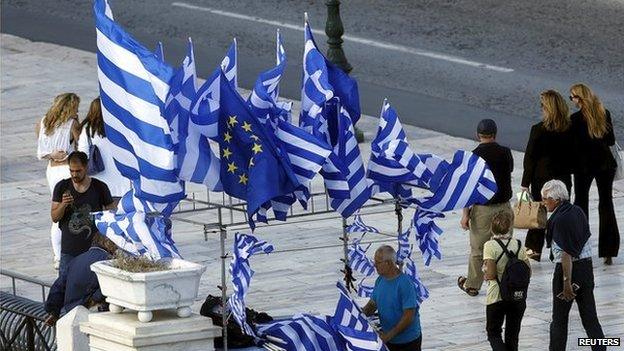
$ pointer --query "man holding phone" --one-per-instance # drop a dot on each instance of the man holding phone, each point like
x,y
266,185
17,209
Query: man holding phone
x,y
567,235
73,200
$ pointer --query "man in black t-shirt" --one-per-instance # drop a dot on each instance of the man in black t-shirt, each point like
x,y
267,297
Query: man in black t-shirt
x,y
478,218
72,202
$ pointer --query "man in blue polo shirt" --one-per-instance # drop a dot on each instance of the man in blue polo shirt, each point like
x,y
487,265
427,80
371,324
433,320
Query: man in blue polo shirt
x,y
395,297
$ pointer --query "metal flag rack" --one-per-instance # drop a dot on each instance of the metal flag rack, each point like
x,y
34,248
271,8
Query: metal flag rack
x,y
228,214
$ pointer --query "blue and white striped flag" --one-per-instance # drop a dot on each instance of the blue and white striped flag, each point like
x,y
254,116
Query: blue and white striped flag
x,y
412,272
358,226
393,166
245,245
196,161
229,65
404,249
133,89
358,260
353,325
329,110
364,290
428,234
138,228
302,332
264,98
468,181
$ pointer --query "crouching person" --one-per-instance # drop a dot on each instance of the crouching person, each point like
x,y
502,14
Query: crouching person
x,y
395,297
79,285
507,271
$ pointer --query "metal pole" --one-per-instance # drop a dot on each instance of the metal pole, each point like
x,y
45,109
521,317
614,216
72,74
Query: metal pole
x,y
334,31
30,334
222,236
399,213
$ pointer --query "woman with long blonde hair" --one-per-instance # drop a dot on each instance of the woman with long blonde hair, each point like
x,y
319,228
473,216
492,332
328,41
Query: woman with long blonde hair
x,y
547,157
93,131
593,134
57,135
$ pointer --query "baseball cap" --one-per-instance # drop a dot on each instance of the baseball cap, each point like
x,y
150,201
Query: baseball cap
x,y
487,127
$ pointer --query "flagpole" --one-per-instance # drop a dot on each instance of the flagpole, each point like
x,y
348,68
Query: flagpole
x,y
222,236
399,213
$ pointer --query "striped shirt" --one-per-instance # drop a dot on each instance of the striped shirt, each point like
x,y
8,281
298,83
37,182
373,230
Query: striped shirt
x,y
556,252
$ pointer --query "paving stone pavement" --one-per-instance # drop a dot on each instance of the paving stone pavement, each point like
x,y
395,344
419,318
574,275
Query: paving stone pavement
x,y
301,274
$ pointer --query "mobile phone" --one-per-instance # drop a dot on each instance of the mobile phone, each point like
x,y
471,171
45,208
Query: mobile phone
x,y
575,287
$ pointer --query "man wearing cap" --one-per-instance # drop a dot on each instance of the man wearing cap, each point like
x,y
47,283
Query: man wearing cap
x,y
479,217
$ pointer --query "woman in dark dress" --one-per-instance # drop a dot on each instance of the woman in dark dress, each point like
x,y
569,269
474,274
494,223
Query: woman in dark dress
x,y
547,157
592,131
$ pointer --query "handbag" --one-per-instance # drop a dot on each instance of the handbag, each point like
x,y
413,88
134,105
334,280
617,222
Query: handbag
x,y
616,150
529,214
96,163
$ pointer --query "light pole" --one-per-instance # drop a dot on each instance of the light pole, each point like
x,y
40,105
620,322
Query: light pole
x,y
334,31
335,54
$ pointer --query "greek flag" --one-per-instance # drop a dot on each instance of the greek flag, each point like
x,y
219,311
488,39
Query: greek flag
x,y
302,332
329,110
358,226
245,245
353,326
404,249
467,181
428,233
263,99
136,229
364,290
412,272
196,161
205,105
358,260
133,88
229,65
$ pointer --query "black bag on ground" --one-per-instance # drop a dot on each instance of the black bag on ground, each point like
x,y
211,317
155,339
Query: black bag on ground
x,y
211,308
514,282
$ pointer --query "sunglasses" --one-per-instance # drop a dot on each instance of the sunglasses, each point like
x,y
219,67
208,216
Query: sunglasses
x,y
572,97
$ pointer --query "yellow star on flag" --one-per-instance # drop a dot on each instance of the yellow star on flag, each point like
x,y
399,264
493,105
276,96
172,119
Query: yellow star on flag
x,y
226,153
232,122
227,137
232,167
256,148
251,163
254,137
247,126
242,179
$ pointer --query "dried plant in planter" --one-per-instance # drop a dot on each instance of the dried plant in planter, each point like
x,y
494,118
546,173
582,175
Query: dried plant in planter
x,y
138,264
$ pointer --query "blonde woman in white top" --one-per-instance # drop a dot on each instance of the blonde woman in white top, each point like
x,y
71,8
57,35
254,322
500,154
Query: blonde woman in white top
x,y
93,127
57,135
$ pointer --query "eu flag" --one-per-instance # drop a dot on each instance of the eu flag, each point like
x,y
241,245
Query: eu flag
x,y
252,167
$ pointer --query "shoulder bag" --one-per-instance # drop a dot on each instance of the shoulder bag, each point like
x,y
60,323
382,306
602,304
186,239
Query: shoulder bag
x,y
96,163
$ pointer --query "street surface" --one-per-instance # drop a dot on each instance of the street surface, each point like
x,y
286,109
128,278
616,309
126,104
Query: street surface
x,y
300,276
444,65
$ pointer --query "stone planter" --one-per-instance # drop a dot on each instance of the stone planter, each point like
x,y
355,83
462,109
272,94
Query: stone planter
x,y
146,292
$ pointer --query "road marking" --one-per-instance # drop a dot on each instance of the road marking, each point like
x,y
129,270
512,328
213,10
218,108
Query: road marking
x,y
364,41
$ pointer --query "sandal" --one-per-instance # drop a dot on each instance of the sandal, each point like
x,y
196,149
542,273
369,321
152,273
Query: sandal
x,y
461,280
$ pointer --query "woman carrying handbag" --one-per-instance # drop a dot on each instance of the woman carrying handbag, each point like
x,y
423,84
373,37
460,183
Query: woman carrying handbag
x,y
547,157
592,131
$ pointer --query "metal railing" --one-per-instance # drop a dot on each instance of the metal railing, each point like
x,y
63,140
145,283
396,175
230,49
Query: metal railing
x,y
22,325
19,276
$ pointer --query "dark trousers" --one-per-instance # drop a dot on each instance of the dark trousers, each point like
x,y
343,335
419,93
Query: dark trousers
x,y
608,233
583,276
414,345
64,263
511,313
535,237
